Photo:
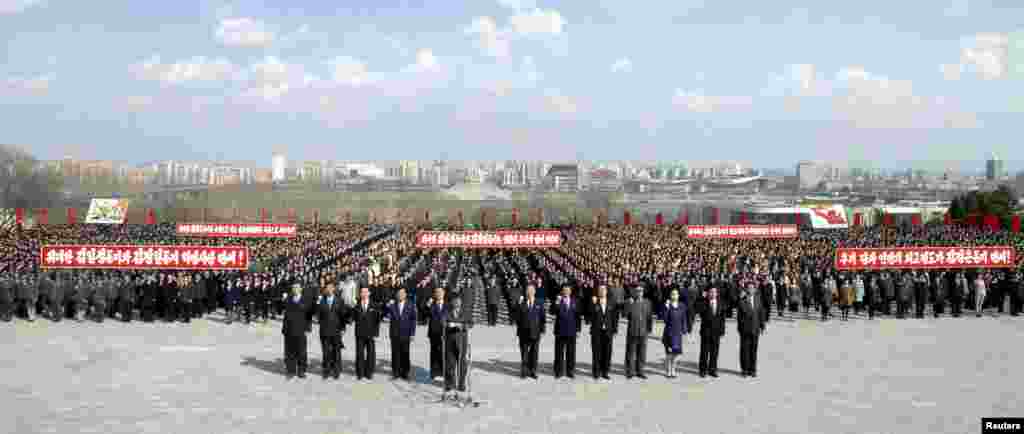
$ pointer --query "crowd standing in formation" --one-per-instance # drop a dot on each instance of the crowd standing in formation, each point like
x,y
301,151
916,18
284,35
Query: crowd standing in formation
x,y
600,276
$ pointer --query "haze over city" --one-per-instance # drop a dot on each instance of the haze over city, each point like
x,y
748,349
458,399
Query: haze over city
x,y
927,82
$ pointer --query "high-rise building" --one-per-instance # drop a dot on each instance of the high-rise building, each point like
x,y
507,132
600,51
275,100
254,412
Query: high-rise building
x,y
993,168
809,174
279,166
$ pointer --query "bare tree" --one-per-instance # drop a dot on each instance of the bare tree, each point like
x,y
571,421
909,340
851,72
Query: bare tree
x,y
24,183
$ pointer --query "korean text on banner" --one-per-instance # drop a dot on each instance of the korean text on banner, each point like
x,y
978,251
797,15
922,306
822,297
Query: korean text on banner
x,y
144,257
742,231
924,258
488,239
238,230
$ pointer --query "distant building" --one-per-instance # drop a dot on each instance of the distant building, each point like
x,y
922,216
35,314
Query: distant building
x,y
994,168
605,180
564,178
263,176
809,174
279,166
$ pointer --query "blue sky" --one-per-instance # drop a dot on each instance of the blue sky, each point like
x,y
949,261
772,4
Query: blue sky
x,y
934,82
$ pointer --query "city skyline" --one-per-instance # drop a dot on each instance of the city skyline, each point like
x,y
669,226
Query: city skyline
x,y
925,86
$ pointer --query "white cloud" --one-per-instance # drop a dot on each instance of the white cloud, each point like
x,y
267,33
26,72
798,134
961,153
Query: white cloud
x,y
538,21
348,71
871,101
197,69
517,4
426,61
986,54
806,75
16,6
952,72
698,102
561,104
622,65
489,38
271,78
32,86
244,32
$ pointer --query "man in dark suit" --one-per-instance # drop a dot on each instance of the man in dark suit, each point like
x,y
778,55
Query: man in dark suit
x,y
402,331
638,315
298,316
604,325
530,325
493,298
331,314
751,321
456,368
567,314
712,327
367,317
437,314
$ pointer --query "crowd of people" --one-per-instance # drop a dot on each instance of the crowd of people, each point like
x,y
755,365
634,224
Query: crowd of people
x,y
600,274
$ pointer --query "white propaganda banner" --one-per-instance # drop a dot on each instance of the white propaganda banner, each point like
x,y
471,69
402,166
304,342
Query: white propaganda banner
x,y
107,211
828,217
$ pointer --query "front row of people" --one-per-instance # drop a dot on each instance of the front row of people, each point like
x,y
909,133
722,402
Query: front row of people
x,y
447,332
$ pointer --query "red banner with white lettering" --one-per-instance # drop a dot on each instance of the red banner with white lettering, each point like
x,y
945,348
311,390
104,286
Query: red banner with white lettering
x,y
144,257
742,231
238,230
488,239
924,257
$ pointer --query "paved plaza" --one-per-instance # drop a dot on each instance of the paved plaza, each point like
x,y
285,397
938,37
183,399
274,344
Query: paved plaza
x,y
881,376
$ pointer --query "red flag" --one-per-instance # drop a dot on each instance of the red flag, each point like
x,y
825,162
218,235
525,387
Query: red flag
x,y
796,218
627,218
686,218
43,216
150,217
1015,223
992,222
972,220
743,217
714,216
515,216
658,219
462,220
915,219
291,215
947,219
19,216
887,220
72,214
857,219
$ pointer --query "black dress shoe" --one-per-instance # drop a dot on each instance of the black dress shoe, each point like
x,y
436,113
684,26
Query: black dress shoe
x,y
596,376
606,377
558,377
702,375
523,376
744,375
753,375
571,376
629,377
533,376
641,376
302,375
714,374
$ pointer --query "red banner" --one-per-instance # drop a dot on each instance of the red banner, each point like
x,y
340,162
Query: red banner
x,y
924,257
887,220
488,239
743,231
992,222
144,257
238,230
658,219
915,219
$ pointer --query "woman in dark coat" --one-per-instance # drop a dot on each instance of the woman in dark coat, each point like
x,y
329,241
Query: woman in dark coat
x,y
232,296
676,325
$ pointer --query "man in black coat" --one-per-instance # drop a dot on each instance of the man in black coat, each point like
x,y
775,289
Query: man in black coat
x,y
751,322
6,297
638,315
57,297
712,328
402,331
493,299
437,317
568,314
1017,296
456,346
921,283
530,326
298,317
331,316
366,316
126,298
604,325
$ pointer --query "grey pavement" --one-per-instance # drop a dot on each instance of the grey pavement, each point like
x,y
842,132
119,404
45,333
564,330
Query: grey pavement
x,y
882,376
